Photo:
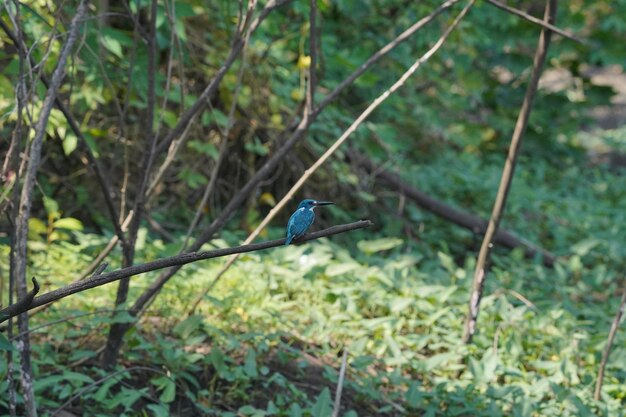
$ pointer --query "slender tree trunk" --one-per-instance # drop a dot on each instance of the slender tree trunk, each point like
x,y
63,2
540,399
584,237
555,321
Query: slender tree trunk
x,y
20,235
507,175
11,168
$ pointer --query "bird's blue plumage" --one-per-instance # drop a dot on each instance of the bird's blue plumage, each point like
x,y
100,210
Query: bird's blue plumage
x,y
302,219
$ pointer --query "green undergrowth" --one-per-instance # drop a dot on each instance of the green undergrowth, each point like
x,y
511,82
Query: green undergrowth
x,y
268,339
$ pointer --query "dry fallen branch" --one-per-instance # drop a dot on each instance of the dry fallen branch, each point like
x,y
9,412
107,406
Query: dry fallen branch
x,y
462,218
178,260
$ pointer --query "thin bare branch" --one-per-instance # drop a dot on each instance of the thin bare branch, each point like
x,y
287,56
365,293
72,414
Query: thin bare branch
x,y
177,260
507,175
609,344
312,82
533,19
342,375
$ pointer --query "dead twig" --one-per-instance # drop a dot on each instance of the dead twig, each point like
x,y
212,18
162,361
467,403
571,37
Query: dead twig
x,y
462,218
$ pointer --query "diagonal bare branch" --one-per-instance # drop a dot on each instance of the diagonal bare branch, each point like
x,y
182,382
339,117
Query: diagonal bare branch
x,y
533,19
177,260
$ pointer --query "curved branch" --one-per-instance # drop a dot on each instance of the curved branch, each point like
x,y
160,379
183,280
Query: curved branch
x,y
178,260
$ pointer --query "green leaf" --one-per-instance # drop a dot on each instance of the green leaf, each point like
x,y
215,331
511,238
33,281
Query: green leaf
x,y
52,207
123,317
169,392
248,410
585,246
159,410
217,360
103,391
447,262
249,366
378,245
205,148
77,377
322,408
112,45
437,360
68,223
186,327
69,143
414,395
37,226
340,269
295,410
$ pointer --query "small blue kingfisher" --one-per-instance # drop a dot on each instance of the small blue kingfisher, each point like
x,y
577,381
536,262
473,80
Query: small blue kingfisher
x,y
302,219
